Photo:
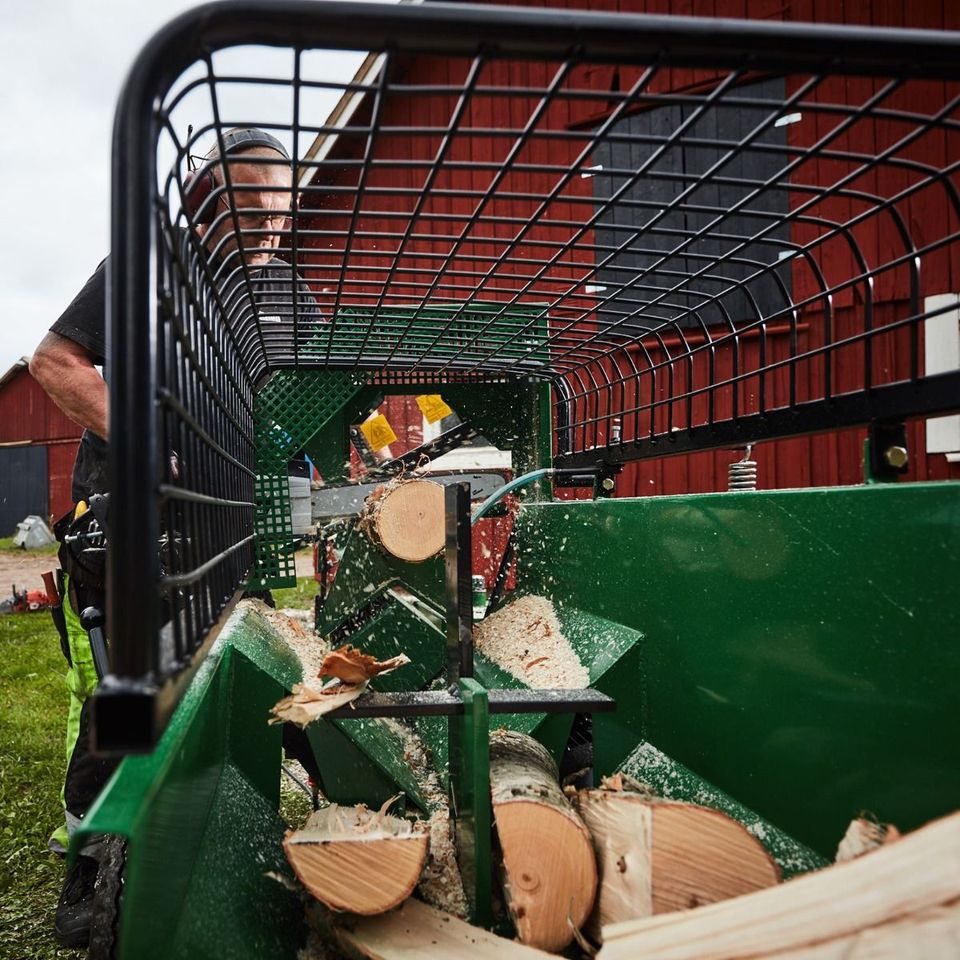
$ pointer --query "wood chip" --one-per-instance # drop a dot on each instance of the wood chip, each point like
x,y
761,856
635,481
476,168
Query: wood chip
x,y
351,665
306,703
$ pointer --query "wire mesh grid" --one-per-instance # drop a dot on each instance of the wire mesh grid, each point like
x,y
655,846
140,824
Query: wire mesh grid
x,y
696,234
675,248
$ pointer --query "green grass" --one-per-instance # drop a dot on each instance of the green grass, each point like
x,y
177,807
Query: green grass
x,y
33,710
8,546
299,597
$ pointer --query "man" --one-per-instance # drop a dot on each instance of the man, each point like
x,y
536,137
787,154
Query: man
x,y
65,365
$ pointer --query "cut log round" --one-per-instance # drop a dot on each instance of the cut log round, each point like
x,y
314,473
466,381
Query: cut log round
x,y
656,856
898,880
550,875
406,519
356,860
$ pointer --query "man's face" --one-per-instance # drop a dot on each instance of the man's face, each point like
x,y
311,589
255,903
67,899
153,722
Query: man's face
x,y
261,192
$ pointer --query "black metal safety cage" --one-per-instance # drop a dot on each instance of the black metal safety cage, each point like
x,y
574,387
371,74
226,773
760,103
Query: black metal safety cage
x,y
698,231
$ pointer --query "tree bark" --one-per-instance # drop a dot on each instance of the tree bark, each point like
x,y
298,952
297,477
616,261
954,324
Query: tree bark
x,y
550,875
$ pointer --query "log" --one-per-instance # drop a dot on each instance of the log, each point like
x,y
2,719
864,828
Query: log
x,y
357,860
655,855
932,934
406,519
550,875
917,873
426,933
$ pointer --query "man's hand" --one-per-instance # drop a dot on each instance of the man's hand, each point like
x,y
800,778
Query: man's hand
x,y
66,372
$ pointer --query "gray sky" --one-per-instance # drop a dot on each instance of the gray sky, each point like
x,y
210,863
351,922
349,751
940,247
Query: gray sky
x,y
62,63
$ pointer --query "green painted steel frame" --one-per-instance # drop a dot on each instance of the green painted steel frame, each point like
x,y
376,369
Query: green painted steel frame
x,y
470,797
200,814
800,647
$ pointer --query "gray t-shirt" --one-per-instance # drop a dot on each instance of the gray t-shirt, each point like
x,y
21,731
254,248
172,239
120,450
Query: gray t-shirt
x,y
83,322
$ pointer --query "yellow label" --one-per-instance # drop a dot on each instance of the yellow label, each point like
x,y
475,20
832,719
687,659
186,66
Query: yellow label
x,y
378,432
433,407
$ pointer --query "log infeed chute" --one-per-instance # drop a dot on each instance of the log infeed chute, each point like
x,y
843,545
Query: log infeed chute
x,y
695,237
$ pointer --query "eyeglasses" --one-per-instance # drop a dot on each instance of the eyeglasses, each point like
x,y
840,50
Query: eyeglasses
x,y
273,222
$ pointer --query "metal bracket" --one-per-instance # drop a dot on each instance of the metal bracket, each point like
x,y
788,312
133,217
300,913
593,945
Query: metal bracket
x,y
470,807
599,478
885,452
448,440
458,557
364,452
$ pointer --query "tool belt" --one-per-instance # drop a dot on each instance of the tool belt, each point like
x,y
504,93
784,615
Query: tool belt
x,y
83,544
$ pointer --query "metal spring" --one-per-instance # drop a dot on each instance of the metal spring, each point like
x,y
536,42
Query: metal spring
x,y
742,474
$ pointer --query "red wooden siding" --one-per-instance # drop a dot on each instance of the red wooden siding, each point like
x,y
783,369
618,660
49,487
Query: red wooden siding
x,y
28,415
60,458
826,459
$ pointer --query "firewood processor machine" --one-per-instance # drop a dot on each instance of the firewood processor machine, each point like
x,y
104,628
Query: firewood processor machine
x,y
624,251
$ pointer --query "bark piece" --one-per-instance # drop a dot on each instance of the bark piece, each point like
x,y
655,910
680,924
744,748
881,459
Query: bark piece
x,y
550,872
350,665
864,835
406,519
425,933
656,855
357,860
306,703
353,671
917,873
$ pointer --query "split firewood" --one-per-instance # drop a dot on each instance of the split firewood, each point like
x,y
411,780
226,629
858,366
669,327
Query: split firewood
x,y
863,835
405,518
352,671
932,934
657,855
550,876
357,860
421,931
894,882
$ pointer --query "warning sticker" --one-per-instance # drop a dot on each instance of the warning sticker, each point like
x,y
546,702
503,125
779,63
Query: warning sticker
x,y
433,407
378,432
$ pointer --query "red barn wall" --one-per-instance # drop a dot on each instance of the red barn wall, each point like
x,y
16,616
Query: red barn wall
x,y
28,415
821,460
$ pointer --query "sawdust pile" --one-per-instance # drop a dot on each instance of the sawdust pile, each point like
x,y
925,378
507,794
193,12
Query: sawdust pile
x,y
525,639
440,884
308,646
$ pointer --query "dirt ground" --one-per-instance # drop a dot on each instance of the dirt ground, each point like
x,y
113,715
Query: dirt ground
x,y
24,569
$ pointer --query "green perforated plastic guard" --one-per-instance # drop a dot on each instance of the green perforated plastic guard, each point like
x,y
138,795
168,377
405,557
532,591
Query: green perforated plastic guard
x,y
295,405
482,337
290,409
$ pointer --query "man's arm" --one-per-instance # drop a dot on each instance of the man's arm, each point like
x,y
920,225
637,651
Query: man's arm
x,y
66,372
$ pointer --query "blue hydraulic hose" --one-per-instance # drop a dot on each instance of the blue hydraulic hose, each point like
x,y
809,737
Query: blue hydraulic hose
x,y
514,484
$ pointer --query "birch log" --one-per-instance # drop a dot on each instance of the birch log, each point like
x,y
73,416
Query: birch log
x,y
550,875
357,860
406,519
656,855
904,879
